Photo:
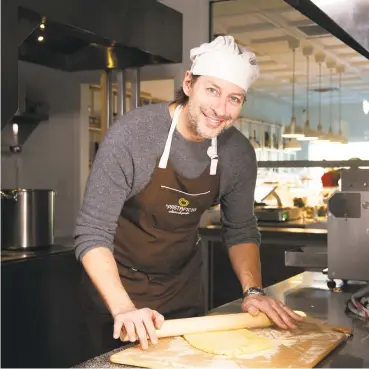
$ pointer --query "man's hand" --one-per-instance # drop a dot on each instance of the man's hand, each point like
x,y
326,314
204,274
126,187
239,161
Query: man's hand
x,y
139,324
279,313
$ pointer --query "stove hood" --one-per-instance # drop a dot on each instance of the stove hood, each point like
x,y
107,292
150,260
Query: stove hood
x,y
82,35
348,20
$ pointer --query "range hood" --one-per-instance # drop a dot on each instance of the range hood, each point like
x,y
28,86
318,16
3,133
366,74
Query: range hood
x,y
348,20
82,35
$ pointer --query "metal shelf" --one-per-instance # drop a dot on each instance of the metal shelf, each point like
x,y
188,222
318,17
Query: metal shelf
x,y
313,164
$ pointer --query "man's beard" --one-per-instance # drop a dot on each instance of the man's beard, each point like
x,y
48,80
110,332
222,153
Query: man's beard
x,y
193,123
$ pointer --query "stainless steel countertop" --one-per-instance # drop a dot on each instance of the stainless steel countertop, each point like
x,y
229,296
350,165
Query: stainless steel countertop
x,y
307,292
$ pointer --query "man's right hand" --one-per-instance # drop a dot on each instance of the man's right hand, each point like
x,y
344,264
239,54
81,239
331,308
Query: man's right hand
x,y
139,324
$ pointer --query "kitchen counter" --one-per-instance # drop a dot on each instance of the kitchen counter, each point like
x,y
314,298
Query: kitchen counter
x,y
275,233
306,292
275,243
298,223
61,245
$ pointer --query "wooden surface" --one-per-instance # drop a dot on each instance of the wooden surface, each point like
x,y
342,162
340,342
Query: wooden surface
x,y
303,347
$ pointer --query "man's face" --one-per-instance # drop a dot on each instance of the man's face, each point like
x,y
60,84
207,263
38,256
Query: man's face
x,y
214,105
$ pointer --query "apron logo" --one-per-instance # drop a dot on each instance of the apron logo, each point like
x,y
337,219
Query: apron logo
x,y
182,207
183,202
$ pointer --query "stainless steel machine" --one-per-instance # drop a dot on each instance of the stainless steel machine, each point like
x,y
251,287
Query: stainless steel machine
x,y
348,227
346,255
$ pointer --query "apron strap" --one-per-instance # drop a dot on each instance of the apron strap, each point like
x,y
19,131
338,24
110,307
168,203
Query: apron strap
x,y
212,150
165,156
213,155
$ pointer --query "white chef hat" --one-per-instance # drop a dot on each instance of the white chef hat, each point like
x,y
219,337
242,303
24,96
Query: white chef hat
x,y
225,59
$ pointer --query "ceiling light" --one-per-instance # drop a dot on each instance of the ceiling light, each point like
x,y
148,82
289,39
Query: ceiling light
x,y
40,38
15,128
321,134
309,133
319,129
293,130
327,2
341,138
330,136
292,145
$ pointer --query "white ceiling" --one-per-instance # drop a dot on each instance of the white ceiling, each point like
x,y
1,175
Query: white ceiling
x,y
270,28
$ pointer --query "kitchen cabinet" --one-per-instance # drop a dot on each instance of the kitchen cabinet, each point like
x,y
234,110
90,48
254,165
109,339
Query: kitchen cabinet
x,y
222,284
40,312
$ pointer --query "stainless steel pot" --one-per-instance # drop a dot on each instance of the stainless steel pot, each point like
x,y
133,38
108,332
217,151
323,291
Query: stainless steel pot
x,y
27,218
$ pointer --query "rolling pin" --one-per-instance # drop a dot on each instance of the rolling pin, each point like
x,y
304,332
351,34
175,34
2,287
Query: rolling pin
x,y
210,323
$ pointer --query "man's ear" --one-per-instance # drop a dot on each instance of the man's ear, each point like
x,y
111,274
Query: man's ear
x,y
187,83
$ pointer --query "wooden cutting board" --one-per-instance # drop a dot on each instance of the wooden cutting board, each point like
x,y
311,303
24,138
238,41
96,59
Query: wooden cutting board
x,y
303,347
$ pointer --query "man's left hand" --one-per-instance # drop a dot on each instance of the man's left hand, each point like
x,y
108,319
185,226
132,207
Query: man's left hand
x,y
279,313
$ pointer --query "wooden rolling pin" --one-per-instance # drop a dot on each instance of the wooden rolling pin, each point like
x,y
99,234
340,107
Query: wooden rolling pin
x,y
210,323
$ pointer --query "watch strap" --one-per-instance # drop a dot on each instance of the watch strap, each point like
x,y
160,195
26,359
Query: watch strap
x,y
253,291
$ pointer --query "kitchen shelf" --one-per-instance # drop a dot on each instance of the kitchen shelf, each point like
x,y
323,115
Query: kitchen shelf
x,y
95,127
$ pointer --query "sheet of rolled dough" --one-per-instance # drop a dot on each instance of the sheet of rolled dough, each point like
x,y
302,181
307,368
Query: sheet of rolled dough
x,y
231,343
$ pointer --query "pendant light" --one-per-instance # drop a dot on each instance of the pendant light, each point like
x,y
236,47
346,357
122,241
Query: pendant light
x,y
319,57
292,145
341,138
252,135
309,133
293,130
330,136
253,139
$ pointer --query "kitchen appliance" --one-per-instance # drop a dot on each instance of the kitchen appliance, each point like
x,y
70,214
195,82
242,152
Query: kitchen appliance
x,y
347,252
27,218
348,227
273,213
277,214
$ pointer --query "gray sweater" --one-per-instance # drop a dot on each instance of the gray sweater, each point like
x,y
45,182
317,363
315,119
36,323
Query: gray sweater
x,y
127,157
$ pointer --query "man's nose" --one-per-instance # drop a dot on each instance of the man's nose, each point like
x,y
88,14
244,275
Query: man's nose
x,y
220,108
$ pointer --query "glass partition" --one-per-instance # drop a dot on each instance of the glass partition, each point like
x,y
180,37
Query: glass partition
x,y
304,184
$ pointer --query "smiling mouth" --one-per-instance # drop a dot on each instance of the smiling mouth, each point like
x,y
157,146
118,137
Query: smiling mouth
x,y
212,122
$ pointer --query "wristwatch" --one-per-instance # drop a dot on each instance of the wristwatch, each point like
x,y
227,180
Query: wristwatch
x,y
253,291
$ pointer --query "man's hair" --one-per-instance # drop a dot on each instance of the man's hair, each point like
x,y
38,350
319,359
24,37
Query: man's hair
x,y
180,97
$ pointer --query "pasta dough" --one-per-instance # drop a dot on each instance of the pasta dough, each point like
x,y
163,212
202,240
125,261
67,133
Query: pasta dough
x,y
231,343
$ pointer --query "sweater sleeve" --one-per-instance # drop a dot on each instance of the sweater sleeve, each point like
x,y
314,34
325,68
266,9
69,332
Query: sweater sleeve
x,y
237,205
107,188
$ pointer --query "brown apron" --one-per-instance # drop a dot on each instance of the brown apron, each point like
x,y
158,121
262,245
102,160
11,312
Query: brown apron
x,y
157,247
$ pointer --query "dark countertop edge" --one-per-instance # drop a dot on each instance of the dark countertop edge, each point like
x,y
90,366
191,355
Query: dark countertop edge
x,y
212,228
60,246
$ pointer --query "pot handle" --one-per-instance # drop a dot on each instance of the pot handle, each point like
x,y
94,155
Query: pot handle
x,y
9,197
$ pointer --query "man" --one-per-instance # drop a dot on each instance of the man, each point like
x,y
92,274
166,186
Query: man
x,y
158,169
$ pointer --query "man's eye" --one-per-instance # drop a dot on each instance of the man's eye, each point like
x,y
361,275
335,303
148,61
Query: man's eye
x,y
235,99
212,90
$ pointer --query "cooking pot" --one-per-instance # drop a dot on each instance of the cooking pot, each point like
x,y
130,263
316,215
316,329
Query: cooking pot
x,y
27,218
